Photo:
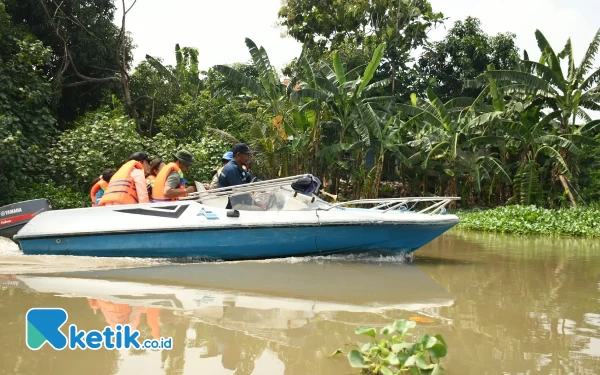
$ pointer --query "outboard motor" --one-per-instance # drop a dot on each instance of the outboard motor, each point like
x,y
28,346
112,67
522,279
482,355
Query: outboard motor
x,y
307,185
14,216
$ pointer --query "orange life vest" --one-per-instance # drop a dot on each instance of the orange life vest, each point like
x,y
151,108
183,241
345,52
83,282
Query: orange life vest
x,y
121,189
158,190
97,186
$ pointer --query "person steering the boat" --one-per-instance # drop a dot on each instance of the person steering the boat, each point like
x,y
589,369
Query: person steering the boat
x,y
236,171
169,184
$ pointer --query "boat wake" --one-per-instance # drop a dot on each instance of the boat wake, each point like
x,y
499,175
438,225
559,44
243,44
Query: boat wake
x,y
369,257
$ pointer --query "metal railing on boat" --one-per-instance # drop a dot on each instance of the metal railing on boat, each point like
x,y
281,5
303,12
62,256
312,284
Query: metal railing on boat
x,y
382,204
252,187
398,203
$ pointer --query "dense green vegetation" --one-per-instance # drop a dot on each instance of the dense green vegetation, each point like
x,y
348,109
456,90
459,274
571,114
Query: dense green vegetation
x,y
580,221
470,116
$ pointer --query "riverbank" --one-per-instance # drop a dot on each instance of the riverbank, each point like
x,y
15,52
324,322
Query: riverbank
x,y
579,222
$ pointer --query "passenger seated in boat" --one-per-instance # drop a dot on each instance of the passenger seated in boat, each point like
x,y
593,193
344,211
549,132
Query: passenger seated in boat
x,y
155,167
234,173
99,185
227,157
128,185
170,181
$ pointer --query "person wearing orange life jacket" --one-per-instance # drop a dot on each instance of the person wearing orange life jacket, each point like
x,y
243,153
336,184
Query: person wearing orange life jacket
x,y
155,167
100,186
128,185
170,182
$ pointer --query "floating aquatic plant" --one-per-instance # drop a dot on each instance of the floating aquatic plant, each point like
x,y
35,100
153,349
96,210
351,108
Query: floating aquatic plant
x,y
392,355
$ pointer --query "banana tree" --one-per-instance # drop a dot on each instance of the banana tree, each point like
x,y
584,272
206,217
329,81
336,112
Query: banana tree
x,y
566,96
345,97
185,75
442,138
271,92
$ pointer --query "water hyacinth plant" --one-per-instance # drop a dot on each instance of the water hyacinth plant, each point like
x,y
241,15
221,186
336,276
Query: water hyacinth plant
x,y
391,355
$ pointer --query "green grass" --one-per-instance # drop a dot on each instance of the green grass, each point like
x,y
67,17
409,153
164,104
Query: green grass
x,y
580,222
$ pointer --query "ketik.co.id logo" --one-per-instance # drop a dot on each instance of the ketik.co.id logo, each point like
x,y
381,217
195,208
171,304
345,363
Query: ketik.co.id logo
x,y
43,325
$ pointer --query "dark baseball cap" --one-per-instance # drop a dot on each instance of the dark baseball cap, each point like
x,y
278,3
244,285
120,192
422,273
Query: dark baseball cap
x,y
243,148
140,156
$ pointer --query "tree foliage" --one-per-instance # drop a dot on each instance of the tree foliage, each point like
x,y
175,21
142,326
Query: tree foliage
x,y
26,121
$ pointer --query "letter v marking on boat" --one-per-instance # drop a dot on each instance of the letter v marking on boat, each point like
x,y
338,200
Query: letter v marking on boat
x,y
163,213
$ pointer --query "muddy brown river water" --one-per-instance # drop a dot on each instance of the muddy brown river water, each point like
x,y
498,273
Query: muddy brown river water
x,y
505,305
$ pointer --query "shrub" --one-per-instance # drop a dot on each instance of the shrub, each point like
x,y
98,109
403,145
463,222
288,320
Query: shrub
x,y
61,197
101,139
580,221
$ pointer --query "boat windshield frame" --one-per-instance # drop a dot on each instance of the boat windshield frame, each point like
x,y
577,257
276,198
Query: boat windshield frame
x,y
278,195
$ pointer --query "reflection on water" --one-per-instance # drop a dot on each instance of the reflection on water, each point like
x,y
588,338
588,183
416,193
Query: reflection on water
x,y
505,305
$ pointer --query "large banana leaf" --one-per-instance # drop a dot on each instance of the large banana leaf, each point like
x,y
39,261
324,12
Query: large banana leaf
x,y
162,69
555,140
370,119
551,152
242,79
588,59
496,167
590,81
339,68
263,65
312,94
590,128
550,57
440,109
529,80
371,68
547,74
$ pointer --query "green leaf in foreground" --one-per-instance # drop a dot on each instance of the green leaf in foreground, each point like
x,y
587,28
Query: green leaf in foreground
x,y
356,359
366,331
437,351
437,370
385,371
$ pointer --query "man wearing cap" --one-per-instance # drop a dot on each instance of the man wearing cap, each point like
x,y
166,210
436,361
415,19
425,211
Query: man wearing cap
x,y
170,182
234,173
227,157
128,185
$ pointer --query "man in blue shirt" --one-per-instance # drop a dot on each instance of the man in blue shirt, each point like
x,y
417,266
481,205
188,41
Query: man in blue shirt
x,y
233,172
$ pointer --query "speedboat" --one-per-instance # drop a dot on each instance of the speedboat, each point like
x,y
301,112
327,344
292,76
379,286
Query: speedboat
x,y
267,219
